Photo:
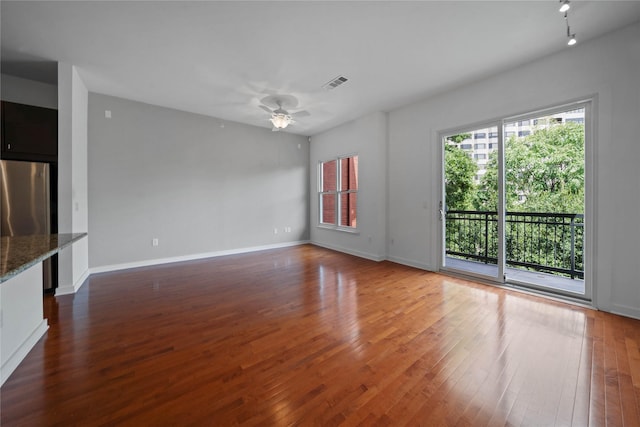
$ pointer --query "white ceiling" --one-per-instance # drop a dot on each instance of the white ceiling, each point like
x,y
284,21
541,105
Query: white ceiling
x,y
221,58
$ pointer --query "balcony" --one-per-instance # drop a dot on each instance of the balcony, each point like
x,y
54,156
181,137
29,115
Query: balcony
x,y
545,249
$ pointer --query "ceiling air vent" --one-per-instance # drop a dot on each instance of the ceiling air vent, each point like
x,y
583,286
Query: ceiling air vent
x,y
334,83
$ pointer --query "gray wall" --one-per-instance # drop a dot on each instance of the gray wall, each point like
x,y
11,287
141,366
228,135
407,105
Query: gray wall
x,y
197,184
365,137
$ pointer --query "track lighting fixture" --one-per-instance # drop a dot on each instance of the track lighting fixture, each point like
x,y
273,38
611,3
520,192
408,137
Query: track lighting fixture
x,y
570,36
564,5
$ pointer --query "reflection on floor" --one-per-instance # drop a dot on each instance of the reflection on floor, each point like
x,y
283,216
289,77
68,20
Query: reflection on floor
x,y
550,281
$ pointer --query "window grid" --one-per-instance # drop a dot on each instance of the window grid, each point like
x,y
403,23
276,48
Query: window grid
x,y
339,192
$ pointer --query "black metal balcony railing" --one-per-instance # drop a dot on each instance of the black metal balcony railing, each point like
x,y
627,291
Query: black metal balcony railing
x,y
546,242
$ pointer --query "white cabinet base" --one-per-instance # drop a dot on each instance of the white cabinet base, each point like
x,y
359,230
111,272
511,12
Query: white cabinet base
x,y
21,318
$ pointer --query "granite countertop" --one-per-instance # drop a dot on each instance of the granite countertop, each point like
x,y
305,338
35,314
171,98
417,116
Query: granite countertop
x,y
18,253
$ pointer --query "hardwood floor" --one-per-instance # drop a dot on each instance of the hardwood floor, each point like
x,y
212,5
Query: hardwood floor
x,y
307,336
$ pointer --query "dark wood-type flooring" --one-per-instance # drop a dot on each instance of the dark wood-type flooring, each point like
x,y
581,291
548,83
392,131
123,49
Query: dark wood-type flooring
x,y
307,336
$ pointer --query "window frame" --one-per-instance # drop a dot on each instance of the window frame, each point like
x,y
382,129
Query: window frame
x,y
337,193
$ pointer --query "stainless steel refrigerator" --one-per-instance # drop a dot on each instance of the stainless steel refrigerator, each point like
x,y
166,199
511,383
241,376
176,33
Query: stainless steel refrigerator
x,y
25,203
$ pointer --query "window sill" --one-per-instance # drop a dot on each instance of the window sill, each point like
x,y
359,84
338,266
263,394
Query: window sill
x,y
342,229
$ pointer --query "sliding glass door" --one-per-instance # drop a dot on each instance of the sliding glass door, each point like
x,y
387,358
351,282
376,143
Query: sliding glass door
x,y
513,204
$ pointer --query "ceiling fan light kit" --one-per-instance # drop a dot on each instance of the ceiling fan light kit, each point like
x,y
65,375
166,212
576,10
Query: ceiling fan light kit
x,y
280,120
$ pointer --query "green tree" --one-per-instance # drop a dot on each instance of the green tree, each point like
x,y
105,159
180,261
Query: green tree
x,y
459,172
459,137
544,172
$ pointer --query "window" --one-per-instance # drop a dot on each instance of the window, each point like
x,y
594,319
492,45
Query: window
x,y
493,134
524,133
338,193
466,146
480,146
479,135
479,156
493,146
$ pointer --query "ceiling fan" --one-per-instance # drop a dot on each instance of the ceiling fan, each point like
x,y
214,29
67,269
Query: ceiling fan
x,y
281,118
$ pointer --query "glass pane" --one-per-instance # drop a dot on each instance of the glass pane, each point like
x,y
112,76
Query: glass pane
x,y
328,209
544,193
329,176
348,209
349,173
471,196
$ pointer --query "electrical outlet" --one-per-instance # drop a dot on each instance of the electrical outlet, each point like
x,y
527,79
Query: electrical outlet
x,y
155,242
275,231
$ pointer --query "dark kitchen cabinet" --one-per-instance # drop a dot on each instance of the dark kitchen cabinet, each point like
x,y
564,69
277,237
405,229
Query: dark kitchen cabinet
x,y
29,132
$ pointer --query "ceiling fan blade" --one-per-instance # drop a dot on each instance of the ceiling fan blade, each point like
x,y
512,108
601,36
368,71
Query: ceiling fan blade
x,y
303,113
280,101
267,109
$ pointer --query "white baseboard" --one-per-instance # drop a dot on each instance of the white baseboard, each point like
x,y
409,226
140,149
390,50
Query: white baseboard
x,y
192,257
353,252
411,263
73,288
378,258
624,310
21,352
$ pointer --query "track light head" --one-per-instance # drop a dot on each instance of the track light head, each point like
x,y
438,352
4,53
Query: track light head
x,y
564,5
571,36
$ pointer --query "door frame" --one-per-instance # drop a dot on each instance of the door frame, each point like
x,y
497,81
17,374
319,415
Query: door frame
x,y
590,104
